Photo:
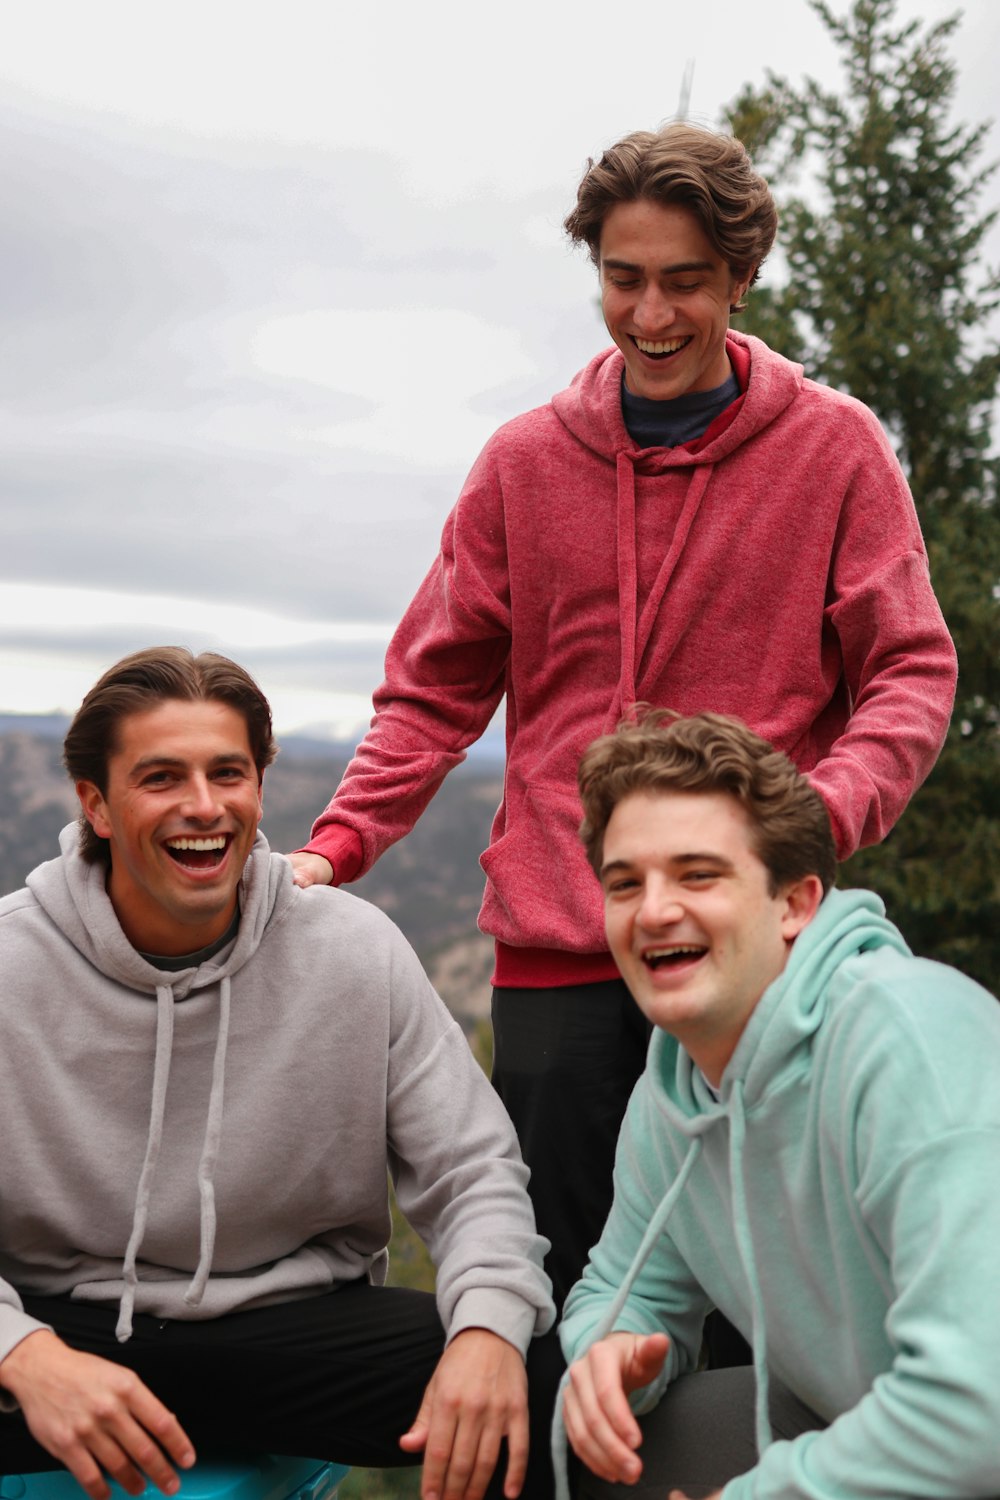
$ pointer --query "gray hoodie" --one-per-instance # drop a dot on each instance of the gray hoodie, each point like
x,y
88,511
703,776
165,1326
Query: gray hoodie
x,y
192,1143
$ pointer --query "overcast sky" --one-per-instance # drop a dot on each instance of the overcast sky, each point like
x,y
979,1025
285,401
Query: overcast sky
x,y
271,275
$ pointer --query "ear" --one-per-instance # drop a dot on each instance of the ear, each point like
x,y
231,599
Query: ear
x,y
260,797
801,903
740,288
94,807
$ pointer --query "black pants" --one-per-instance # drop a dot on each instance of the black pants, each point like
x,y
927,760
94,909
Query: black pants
x,y
336,1377
701,1435
565,1062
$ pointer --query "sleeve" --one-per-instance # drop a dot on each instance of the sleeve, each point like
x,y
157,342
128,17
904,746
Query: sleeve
x,y
898,657
665,1296
928,1427
445,674
458,1172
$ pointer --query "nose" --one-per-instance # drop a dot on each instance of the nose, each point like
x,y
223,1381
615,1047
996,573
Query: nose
x,y
200,802
654,311
660,906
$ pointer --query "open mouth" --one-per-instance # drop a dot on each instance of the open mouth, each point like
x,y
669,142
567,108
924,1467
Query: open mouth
x,y
659,348
199,853
674,957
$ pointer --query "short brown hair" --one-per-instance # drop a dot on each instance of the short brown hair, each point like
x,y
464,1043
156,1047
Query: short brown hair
x,y
141,681
708,173
664,752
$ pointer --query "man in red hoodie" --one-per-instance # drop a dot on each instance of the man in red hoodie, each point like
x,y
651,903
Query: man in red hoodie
x,y
692,524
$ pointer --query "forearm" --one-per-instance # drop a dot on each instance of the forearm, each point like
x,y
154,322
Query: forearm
x,y
901,670
15,1325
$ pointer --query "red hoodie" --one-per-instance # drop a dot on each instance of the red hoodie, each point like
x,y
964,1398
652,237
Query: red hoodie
x,y
774,570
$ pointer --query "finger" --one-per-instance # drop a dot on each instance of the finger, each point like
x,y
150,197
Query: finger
x,y
647,1360
597,1383
86,1472
438,1446
415,1439
474,1456
161,1433
517,1454
596,1443
132,1458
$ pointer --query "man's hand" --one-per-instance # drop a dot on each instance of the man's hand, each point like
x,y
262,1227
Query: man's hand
x,y
599,1420
310,869
94,1415
477,1395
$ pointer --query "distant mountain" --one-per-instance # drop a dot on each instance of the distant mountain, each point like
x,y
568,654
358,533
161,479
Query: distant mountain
x,y
429,883
48,726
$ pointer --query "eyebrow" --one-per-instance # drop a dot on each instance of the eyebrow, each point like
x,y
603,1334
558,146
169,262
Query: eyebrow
x,y
678,269
172,762
695,858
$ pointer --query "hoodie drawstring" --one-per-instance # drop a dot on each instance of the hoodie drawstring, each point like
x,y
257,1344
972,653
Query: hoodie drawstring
x,y
161,1077
636,632
628,587
654,1229
744,1242
206,1165
210,1152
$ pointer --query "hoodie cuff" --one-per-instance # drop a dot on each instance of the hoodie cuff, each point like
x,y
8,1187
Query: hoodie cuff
x,y
503,1313
342,847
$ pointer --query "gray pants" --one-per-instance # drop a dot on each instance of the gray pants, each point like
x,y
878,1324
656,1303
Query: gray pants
x,y
702,1434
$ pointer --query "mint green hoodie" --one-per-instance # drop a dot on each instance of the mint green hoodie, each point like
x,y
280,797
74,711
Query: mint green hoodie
x,y
840,1204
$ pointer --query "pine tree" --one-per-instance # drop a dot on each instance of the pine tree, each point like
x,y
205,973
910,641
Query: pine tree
x,y
883,294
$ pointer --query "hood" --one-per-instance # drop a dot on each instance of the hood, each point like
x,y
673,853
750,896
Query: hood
x,y
591,410
72,893
776,1043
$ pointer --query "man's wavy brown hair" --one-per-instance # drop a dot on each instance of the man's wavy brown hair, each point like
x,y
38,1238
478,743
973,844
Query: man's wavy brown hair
x,y
708,173
665,752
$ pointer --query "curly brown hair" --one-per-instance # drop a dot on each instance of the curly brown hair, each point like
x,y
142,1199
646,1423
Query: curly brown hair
x,y
708,173
665,752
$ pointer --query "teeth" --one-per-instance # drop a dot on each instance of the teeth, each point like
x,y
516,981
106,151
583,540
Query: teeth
x,y
198,846
678,952
663,346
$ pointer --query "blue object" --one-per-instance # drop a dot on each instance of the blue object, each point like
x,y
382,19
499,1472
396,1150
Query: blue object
x,y
260,1478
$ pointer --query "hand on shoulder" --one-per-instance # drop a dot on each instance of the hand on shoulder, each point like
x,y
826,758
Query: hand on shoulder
x,y
310,869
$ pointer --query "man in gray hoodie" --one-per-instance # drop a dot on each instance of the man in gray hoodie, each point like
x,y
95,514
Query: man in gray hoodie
x,y
205,1074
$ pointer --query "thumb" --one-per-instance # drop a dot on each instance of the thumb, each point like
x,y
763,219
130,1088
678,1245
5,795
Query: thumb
x,y
647,1360
414,1440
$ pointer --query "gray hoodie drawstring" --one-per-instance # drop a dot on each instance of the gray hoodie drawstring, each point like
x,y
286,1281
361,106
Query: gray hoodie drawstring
x,y
209,1153
206,1165
154,1138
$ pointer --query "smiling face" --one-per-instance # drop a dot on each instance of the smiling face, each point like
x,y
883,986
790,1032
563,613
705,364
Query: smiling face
x,y
666,295
690,919
180,812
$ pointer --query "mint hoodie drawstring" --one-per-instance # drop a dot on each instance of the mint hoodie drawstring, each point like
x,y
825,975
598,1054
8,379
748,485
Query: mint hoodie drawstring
x,y
744,1241
654,1229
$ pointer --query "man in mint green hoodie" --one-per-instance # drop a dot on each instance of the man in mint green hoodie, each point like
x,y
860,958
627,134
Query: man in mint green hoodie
x,y
812,1149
